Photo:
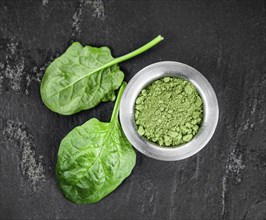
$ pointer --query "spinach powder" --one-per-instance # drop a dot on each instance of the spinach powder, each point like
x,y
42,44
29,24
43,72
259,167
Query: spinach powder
x,y
169,111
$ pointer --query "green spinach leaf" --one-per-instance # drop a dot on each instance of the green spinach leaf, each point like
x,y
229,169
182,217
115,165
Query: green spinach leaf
x,y
94,159
83,77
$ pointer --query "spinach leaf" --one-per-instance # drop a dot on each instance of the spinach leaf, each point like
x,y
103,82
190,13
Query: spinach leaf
x,y
83,77
94,159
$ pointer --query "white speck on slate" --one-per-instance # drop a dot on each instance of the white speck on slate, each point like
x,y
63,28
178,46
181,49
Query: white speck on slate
x,y
172,197
1,76
1,82
254,107
36,75
77,19
31,167
234,165
45,2
98,12
224,189
15,64
98,8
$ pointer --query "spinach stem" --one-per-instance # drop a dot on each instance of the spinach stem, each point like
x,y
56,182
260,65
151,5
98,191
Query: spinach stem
x,y
139,51
117,102
133,53
126,57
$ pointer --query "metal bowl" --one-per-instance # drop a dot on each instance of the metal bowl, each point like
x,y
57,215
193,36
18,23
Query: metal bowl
x,y
145,77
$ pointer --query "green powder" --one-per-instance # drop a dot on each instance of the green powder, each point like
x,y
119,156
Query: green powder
x,y
169,111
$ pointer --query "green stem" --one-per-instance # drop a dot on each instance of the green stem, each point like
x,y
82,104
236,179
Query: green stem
x,y
117,102
134,53
126,57
140,50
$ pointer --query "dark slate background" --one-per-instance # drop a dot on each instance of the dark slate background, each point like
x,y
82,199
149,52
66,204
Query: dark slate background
x,y
224,40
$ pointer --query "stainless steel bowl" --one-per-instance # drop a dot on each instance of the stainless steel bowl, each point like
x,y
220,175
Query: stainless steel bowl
x,y
141,80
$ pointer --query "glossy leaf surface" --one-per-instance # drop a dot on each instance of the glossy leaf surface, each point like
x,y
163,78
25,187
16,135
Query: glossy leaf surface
x,y
94,159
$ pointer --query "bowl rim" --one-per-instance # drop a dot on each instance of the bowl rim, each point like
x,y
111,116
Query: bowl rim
x,y
141,80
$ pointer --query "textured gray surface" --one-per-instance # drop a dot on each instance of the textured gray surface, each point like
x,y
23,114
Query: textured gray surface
x,y
226,41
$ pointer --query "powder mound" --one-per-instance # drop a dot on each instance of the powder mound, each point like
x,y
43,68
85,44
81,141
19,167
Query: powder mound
x,y
169,111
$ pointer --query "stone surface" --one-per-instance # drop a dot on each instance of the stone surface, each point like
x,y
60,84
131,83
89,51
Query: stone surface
x,y
224,40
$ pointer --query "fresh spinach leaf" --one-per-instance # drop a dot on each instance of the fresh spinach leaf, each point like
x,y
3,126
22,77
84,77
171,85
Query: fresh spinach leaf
x,y
94,159
83,77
